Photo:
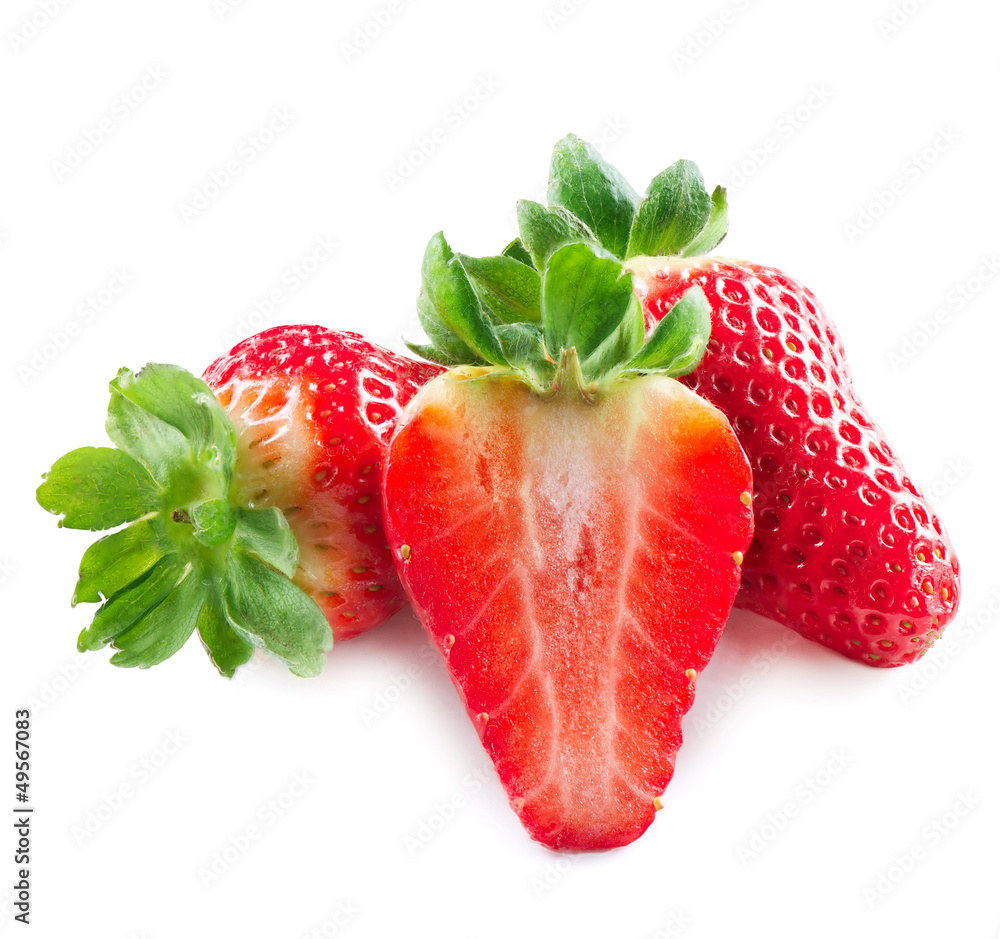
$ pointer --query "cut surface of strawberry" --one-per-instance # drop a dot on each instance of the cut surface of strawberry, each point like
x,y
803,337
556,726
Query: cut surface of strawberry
x,y
313,410
571,535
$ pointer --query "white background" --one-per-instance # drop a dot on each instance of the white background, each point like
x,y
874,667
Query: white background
x,y
708,80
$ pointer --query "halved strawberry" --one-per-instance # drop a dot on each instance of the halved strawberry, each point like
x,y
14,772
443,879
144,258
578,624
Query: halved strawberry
x,y
313,410
570,532
847,551
207,545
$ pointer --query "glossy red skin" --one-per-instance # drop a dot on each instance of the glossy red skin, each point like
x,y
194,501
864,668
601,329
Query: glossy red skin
x,y
574,564
847,551
313,410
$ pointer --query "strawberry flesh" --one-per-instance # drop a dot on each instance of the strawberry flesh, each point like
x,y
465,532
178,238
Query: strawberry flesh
x,y
574,563
313,411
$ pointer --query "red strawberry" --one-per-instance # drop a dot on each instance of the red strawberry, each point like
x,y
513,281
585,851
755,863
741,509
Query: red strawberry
x,y
313,411
208,546
847,551
569,535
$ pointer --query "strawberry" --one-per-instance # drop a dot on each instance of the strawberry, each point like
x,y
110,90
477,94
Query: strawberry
x,y
313,411
207,544
847,551
569,523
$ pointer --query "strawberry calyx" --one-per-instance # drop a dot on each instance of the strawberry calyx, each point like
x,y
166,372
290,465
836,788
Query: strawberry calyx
x,y
676,217
189,557
503,312
564,284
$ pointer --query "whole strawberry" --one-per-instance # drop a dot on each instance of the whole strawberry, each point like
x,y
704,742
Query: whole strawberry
x,y
569,522
313,410
208,544
847,551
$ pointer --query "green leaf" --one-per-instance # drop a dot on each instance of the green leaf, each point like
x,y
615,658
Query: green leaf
x,y
213,521
431,353
619,347
545,230
170,422
269,611
518,252
584,299
581,181
448,345
677,344
509,288
225,647
182,400
715,229
117,560
164,628
520,341
97,488
160,447
128,606
454,302
675,209
265,534
524,348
